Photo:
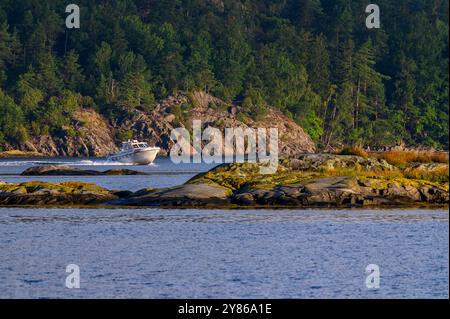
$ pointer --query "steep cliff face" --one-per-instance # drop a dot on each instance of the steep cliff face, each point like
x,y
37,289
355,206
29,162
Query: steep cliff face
x,y
292,139
156,126
90,134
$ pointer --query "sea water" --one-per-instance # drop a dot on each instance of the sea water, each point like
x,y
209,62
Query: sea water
x,y
195,253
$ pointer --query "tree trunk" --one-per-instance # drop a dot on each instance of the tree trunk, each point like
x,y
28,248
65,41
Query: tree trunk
x,y
355,117
330,131
376,107
65,42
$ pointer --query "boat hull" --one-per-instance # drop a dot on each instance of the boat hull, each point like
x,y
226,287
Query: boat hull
x,y
141,157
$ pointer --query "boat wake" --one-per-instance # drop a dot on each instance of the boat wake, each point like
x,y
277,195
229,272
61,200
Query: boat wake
x,y
99,162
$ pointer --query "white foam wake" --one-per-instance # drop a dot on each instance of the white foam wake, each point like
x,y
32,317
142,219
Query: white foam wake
x,y
99,162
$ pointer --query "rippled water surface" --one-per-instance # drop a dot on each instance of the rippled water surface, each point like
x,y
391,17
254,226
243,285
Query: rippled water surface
x,y
155,253
152,253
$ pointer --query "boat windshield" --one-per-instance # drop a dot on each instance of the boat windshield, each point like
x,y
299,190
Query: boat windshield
x,y
130,146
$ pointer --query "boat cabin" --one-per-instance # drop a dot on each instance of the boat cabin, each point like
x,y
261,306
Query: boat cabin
x,y
134,144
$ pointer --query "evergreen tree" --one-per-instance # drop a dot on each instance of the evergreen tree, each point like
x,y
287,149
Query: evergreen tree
x,y
313,59
71,72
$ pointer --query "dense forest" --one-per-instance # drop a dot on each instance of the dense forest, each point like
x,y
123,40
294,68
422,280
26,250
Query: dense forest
x,y
313,59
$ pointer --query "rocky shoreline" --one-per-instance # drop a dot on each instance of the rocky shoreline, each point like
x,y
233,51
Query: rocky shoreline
x,y
308,181
14,154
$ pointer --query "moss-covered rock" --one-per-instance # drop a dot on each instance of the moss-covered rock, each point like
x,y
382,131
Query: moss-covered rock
x,y
326,180
43,193
324,162
343,191
307,181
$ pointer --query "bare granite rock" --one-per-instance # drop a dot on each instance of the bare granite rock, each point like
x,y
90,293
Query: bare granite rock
x,y
187,195
89,134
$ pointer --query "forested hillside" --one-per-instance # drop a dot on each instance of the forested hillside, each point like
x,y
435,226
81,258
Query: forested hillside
x,y
315,60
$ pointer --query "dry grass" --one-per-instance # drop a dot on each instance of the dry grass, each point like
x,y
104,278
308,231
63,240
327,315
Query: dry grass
x,y
362,173
401,158
353,150
440,157
17,153
440,174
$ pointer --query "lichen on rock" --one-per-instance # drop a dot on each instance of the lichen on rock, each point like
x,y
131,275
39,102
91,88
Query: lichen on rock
x,y
319,180
44,193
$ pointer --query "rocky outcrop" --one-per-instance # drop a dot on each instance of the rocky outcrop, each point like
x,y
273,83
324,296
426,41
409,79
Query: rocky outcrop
x,y
42,193
90,134
321,162
342,191
307,181
57,170
292,138
156,126
188,195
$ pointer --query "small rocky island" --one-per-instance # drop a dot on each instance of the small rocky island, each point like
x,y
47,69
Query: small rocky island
x,y
59,170
307,181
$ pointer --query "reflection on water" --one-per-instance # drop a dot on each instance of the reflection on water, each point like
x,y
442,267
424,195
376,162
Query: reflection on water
x,y
155,253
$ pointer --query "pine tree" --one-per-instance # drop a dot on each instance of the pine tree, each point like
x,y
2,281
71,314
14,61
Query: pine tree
x,y
312,59
71,72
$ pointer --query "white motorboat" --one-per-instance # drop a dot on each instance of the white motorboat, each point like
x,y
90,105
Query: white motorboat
x,y
135,152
